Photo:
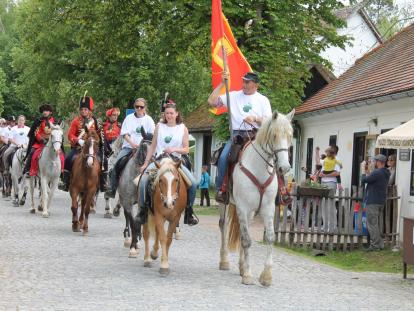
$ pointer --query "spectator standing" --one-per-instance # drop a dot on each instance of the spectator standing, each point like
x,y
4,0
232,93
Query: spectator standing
x,y
392,161
375,196
204,185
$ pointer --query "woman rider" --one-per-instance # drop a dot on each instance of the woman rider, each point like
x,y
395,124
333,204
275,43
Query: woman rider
x,y
170,137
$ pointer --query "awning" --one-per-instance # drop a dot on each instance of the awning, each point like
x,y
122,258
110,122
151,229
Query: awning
x,y
400,137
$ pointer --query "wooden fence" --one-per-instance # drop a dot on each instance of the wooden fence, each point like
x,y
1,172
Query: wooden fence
x,y
332,222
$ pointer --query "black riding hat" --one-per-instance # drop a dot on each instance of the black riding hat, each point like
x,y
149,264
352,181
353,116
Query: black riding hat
x,y
45,107
11,118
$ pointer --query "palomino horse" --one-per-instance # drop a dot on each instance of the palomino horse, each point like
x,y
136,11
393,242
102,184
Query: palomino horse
x,y
169,201
16,171
84,181
50,168
128,193
254,192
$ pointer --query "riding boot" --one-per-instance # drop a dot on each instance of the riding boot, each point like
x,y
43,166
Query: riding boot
x,y
113,178
103,182
64,185
190,218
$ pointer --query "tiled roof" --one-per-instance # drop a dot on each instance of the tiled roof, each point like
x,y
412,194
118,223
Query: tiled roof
x,y
388,69
201,119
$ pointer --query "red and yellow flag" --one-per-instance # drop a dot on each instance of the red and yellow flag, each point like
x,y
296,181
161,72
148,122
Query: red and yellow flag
x,y
237,65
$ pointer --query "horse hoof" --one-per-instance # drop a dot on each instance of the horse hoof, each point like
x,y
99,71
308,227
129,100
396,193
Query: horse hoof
x,y
247,280
75,228
133,253
154,256
15,204
265,279
147,264
224,265
116,210
22,202
32,211
164,271
85,232
45,215
108,215
127,242
92,211
40,208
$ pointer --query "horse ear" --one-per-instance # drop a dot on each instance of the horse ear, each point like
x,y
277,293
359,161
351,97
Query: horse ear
x,y
274,115
291,114
157,164
143,133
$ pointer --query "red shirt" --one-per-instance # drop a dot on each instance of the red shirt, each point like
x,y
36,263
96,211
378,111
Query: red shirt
x,y
42,132
77,127
111,130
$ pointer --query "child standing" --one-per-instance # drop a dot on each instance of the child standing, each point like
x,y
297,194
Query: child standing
x,y
204,185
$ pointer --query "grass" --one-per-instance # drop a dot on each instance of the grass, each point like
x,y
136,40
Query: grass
x,y
211,190
358,260
206,211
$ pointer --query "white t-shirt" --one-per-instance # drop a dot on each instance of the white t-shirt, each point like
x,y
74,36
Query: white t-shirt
x,y
5,133
243,105
169,136
19,135
132,126
331,179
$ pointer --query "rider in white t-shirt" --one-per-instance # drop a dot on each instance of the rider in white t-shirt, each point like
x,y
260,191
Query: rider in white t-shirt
x,y
18,137
131,131
247,106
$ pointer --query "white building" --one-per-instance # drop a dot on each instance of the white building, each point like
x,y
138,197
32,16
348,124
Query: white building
x,y
372,97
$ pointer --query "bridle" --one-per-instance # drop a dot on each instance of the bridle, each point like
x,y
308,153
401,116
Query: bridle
x,y
89,155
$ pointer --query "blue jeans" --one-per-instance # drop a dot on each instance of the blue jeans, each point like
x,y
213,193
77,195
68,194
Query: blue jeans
x,y
124,151
222,165
144,183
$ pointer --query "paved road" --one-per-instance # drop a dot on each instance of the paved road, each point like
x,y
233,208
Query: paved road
x,y
45,266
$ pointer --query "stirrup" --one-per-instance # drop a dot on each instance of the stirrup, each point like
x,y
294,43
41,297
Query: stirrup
x,y
191,219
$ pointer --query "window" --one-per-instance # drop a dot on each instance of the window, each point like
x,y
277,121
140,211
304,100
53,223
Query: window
x,y
332,140
412,174
309,153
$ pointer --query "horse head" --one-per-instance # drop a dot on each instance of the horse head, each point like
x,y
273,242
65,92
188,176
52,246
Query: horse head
x,y
168,182
56,137
275,138
90,148
143,147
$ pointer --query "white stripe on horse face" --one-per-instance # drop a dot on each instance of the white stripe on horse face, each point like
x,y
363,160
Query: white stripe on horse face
x,y
169,176
90,159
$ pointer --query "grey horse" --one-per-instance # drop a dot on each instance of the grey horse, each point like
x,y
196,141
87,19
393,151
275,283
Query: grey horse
x,y
128,192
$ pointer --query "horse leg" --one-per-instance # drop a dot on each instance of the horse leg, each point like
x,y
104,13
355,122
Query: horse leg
x,y
164,266
246,242
31,193
224,252
133,251
156,246
116,209
86,210
74,208
127,232
268,217
52,189
147,257
170,232
92,208
45,197
82,211
108,212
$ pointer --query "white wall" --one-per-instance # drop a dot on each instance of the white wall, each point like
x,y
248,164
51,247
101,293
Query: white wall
x,y
198,155
364,41
345,123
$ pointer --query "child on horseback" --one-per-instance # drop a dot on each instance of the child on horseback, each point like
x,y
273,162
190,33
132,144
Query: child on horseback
x,y
170,138
131,131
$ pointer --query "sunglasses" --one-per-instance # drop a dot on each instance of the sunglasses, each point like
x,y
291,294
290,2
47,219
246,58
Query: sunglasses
x,y
139,107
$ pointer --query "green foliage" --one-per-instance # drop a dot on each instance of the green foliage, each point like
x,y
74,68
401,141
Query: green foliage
x,y
121,50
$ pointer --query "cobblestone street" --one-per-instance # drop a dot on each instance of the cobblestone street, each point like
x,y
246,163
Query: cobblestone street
x,y
45,266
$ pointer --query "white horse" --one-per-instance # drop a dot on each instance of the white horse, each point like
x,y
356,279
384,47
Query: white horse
x,y
116,147
16,172
254,191
49,171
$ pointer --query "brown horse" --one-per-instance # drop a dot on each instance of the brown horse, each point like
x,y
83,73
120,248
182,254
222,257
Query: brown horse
x,y
84,180
169,201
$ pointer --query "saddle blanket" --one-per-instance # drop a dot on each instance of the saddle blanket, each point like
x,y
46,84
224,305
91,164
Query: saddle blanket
x,y
34,167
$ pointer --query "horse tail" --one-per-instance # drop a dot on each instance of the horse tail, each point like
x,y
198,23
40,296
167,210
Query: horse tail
x,y
234,228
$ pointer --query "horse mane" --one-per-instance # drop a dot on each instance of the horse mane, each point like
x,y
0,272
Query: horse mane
x,y
274,129
167,164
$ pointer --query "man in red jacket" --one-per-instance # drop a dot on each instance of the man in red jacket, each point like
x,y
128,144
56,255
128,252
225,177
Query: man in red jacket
x,y
39,133
75,136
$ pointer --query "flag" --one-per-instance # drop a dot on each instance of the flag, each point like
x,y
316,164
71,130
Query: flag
x,y
237,65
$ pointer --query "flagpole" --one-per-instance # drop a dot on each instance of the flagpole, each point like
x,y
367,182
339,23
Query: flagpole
x,y
226,85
